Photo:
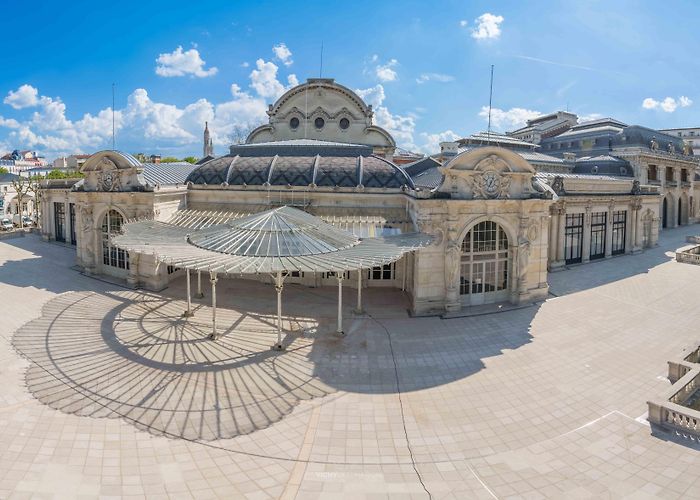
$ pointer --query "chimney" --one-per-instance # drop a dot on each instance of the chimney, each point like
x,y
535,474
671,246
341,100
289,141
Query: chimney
x,y
570,157
449,148
155,158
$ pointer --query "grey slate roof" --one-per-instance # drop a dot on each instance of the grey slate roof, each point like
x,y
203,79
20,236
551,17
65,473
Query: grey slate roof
x,y
419,166
8,178
428,179
301,164
300,147
167,173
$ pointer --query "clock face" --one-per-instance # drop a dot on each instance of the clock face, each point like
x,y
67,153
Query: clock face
x,y
491,182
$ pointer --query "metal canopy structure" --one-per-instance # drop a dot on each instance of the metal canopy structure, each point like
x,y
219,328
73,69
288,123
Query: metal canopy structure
x,y
276,242
283,239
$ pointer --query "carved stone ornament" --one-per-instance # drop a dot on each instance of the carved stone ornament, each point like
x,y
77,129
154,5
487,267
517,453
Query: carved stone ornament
x,y
490,185
532,231
636,188
671,148
558,185
108,177
86,219
453,254
654,145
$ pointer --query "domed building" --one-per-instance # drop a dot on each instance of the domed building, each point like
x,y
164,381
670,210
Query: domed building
x,y
492,218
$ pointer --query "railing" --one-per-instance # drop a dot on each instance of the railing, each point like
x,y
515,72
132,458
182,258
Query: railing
x,y
693,357
684,420
672,411
689,256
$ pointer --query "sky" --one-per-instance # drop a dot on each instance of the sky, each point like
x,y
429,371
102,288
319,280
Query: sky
x,y
424,66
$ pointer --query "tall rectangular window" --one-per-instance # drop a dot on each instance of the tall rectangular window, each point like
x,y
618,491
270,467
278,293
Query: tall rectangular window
x,y
619,232
573,238
59,221
653,174
599,223
71,217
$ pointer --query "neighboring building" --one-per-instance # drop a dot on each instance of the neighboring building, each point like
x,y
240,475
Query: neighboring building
x,y
404,156
10,202
500,210
690,135
545,126
651,157
72,162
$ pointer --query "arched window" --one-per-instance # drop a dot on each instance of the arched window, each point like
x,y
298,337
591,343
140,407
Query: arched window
x,y
484,266
113,256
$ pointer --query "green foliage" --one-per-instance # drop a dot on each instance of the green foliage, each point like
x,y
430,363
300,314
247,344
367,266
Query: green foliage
x,y
190,159
60,174
3,170
169,159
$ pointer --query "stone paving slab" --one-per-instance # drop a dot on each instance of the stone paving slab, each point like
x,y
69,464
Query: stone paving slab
x,y
110,392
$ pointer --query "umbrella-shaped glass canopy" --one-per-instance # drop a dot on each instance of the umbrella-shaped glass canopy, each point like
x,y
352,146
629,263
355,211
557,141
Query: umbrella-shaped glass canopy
x,y
283,239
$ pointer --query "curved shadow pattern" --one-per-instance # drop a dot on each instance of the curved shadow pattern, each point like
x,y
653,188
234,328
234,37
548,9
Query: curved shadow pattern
x,y
131,354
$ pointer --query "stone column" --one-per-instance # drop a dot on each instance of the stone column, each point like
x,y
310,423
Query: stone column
x,y
132,280
586,251
552,241
638,229
453,254
561,236
608,229
66,225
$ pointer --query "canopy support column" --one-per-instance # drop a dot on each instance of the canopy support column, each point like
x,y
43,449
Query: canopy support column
x,y
188,313
199,293
339,275
212,278
358,309
279,286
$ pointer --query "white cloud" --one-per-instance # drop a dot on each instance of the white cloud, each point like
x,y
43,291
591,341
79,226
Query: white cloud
x,y
434,77
8,122
402,127
589,117
265,83
24,97
432,142
668,104
488,26
245,64
144,123
463,23
183,63
386,72
283,54
373,95
512,118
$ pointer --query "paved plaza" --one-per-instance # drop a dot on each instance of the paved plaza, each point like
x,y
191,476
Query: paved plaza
x,y
109,392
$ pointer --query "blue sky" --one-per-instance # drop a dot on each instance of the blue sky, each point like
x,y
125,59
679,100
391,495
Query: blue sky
x,y
424,66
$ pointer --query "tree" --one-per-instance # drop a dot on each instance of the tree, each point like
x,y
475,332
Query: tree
x,y
190,159
169,159
3,170
22,186
240,133
61,174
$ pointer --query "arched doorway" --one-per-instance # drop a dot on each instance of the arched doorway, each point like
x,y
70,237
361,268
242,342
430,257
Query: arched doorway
x,y
112,256
484,273
664,213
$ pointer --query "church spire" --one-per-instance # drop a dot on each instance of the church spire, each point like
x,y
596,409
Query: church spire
x,y
208,143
